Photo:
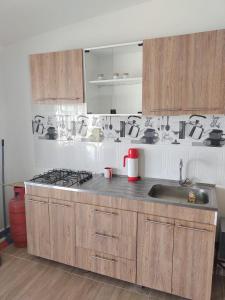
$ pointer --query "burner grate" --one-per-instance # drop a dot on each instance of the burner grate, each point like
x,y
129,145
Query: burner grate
x,y
63,177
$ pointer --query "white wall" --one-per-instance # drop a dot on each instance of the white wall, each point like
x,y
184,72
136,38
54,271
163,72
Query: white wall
x,y
151,19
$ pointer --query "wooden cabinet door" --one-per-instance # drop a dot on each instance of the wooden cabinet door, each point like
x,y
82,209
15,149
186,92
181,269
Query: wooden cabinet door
x,y
192,262
43,82
38,227
184,74
57,76
69,75
155,252
62,228
164,64
205,72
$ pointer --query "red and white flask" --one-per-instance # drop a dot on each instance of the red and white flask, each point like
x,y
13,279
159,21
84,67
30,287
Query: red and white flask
x,y
132,161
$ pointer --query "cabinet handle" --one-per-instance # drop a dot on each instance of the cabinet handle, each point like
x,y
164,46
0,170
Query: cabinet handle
x,y
38,201
103,258
105,235
190,228
60,204
157,222
106,212
54,98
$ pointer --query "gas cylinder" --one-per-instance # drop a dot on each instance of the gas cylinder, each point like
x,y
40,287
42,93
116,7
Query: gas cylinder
x,y
17,217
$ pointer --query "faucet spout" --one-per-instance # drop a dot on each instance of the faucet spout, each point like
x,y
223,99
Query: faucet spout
x,y
181,170
186,181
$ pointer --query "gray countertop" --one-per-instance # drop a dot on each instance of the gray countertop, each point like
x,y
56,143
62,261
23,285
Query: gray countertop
x,y
119,186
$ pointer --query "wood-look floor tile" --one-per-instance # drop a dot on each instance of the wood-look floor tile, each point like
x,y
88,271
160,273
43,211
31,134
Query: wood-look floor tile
x,y
25,277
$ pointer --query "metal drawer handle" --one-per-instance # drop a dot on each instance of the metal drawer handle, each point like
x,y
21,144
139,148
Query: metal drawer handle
x,y
60,204
105,235
103,258
38,201
157,222
195,229
106,212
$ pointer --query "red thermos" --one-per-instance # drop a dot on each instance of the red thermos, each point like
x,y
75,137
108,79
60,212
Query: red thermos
x,y
132,162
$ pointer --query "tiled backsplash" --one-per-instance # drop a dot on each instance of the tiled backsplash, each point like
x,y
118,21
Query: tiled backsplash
x,y
161,160
69,123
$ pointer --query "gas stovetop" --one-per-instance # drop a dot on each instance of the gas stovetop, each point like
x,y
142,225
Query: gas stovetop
x,y
62,177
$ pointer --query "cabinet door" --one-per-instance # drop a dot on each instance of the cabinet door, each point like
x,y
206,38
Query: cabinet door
x,y
164,64
192,262
155,252
43,82
184,74
57,76
69,75
205,72
38,228
62,228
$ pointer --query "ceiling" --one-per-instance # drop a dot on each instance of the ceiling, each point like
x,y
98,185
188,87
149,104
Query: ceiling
x,y
21,19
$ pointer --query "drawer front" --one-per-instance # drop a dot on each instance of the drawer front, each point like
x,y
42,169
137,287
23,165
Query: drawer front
x,y
106,230
121,246
105,264
107,220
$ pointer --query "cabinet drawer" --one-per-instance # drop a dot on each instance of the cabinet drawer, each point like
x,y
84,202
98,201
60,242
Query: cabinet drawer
x,y
105,264
106,220
118,245
106,230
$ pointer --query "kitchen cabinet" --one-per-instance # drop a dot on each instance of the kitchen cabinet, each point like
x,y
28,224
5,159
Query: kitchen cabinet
x,y
113,79
38,226
57,76
184,74
155,252
161,246
192,261
62,231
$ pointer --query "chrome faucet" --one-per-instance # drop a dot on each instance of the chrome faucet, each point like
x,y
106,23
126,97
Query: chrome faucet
x,y
186,181
181,168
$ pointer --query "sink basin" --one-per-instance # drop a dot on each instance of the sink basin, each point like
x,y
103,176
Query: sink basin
x,y
179,193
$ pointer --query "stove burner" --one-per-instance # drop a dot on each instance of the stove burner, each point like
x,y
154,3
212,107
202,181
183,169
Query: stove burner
x,y
63,177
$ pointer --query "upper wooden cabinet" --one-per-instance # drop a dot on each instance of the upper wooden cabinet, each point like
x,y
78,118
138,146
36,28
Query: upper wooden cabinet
x,y
57,76
184,74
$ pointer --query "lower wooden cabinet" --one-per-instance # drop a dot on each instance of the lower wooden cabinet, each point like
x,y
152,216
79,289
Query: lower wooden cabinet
x,y
62,231
163,253
192,262
155,252
106,264
38,226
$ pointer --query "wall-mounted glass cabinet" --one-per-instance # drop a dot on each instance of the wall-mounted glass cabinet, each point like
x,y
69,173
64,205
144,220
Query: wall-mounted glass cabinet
x,y
113,79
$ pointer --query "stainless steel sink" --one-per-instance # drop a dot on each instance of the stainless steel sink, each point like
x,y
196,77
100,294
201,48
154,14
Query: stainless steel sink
x,y
179,193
